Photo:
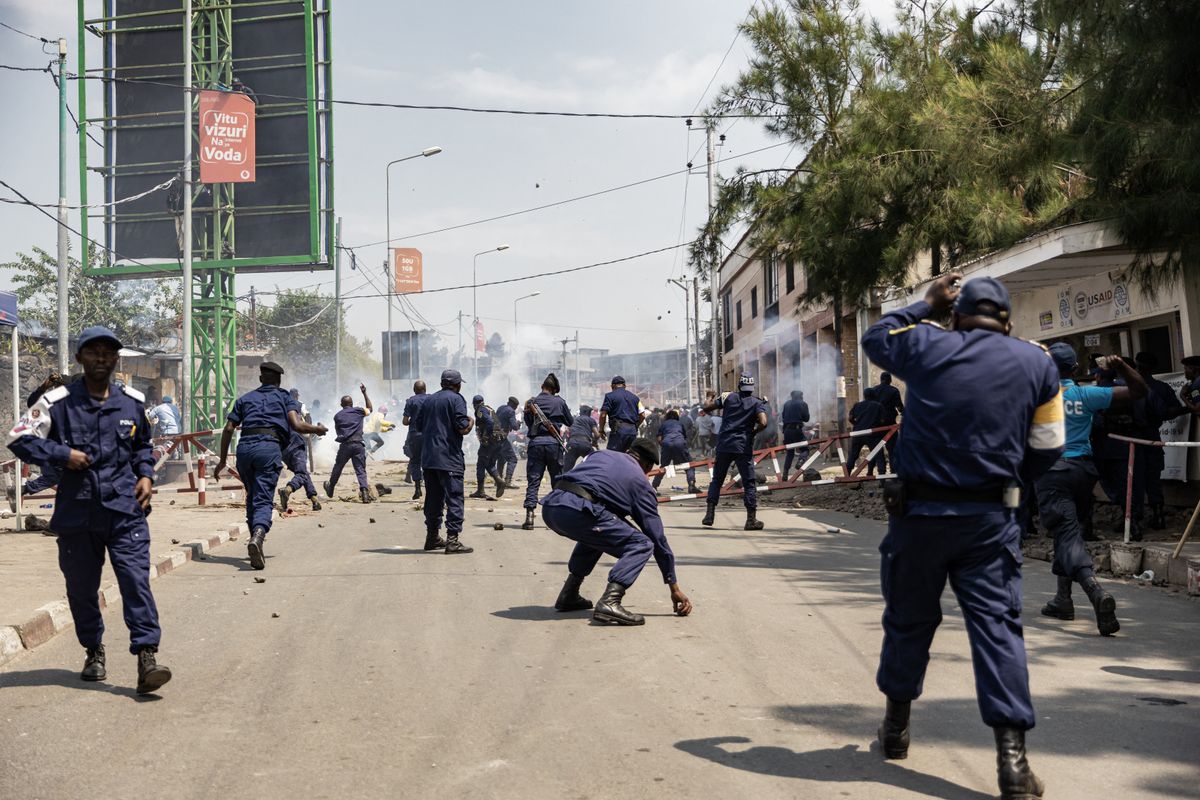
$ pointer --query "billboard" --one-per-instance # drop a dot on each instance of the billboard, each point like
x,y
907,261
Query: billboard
x,y
401,355
226,137
406,269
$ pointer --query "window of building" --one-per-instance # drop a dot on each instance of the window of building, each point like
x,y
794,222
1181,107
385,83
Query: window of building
x,y
753,302
790,269
771,279
739,314
726,317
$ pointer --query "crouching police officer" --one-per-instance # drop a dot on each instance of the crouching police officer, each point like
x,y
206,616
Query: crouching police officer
x,y
953,512
590,506
267,416
98,431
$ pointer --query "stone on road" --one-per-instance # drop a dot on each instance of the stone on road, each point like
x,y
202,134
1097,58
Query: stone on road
x,y
367,667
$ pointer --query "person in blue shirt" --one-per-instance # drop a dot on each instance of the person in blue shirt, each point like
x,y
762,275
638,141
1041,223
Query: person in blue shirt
x,y
672,440
952,509
487,430
545,449
506,416
444,422
97,432
413,441
742,416
623,412
582,438
295,458
864,415
606,505
794,415
267,417
1065,492
348,427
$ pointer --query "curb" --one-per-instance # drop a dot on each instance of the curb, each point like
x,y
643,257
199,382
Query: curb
x,y
54,618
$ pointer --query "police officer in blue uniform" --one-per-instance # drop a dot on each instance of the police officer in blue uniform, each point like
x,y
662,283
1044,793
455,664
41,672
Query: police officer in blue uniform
x,y
582,438
605,505
348,426
1160,405
672,440
794,415
267,416
545,451
295,458
414,441
624,413
865,415
487,431
506,416
953,508
1065,493
444,423
743,416
98,432
889,397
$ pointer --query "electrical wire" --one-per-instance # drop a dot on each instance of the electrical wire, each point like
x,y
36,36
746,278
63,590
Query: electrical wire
x,y
737,34
139,196
41,39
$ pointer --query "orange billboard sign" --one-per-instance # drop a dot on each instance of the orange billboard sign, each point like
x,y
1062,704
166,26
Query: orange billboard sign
x,y
226,137
406,270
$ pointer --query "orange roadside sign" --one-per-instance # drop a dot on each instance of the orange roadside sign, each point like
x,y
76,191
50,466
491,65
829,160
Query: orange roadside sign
x,y
406,269
226,137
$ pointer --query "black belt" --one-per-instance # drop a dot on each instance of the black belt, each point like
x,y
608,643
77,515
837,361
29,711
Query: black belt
x,y
928,493
793,424
1077,458
621,422
272,432
575,489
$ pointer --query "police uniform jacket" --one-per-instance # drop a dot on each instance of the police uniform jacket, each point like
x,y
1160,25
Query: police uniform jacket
x,y
738,411
582,431
348,425
265,407
556,410
671,432
412,410
506,416
622,405
442,416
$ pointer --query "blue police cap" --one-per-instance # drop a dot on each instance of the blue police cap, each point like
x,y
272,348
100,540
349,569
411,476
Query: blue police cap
x,y
96,333
746,381
168,399
477,399
1063,355
451,376
617,380
983,290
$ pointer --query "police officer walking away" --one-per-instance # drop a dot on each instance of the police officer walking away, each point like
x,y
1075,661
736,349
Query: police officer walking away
x,y
953,508
624,413
413,443
348,426
98,432
606,505
444,423
888,396
1065,492
794,415
295,458
673,441
267,416
582,438
506,416
743,416
488,432
545,451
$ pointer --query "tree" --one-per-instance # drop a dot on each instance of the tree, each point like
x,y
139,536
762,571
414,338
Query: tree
x,y
495,348
300,331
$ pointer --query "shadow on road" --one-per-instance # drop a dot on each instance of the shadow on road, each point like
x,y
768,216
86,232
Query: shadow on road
x,y
242,563
848,764
68,680
400,551
539,614
1182,675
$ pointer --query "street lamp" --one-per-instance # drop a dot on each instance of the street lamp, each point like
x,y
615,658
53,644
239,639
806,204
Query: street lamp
x,y
516,332
475,303
387,261
686,332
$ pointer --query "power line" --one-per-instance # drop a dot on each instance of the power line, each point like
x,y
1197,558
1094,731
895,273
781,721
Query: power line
x,y
41,39
737,34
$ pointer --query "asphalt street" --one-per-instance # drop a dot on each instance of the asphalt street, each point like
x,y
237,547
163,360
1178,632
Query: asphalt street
x,y
390,672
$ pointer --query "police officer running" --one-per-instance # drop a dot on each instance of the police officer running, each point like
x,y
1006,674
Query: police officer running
x,y
953,508
1065,492
605,505
743,416
295,458
98,432
624,413
794,415
545,451
348,425
488,432
673,441
444,423
582,438
506,416
413,442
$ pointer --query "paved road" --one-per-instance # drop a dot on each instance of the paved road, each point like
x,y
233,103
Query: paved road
x,y
394,673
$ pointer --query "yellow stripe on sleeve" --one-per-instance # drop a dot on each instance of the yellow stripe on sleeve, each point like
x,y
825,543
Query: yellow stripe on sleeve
x,y
1050,411
905,329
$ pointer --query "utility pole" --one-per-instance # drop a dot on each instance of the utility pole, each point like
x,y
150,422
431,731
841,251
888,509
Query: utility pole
x,y
337,306
458,358
696,333
185,378
578,381
63,283
253,318
687,333
713,270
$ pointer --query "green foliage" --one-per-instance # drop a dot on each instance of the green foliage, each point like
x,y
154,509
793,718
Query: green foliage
x,y
300,332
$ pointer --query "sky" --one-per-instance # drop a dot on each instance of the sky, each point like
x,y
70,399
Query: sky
x,y
663,56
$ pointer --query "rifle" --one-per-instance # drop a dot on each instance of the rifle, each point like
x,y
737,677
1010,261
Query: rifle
x,y
544,421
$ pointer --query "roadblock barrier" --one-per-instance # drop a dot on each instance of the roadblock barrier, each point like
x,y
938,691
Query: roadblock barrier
x,y
1133,444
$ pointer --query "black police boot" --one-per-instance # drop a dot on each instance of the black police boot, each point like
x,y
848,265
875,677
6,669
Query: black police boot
x,y
407,475
328,487
1105,605
151,674
417,493
753,523
527,525
479,493
610,611
500,486
893,731
693,488
508,478
433,541
569,599
381,489
1061,606
254,548
365,496
710,516
316,504
453,545
1017,781
93,664
1158,517
285,494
